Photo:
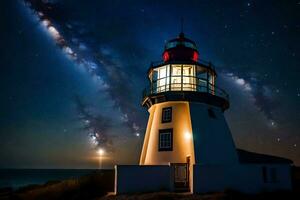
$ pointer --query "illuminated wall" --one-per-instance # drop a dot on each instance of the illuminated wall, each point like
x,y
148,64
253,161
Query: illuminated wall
x,y
182,135
183,145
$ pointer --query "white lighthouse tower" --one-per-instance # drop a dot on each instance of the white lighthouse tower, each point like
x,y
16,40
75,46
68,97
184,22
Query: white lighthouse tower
x,y
188,145
186,125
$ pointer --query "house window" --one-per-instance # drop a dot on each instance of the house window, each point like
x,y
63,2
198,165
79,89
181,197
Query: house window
x,y
211,113
165,140
264,174
273,175
166,115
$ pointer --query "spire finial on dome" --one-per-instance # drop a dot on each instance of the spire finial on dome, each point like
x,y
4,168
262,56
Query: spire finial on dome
x,y
181,35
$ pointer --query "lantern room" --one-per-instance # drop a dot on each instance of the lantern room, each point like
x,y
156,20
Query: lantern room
x,y
182,75
181,69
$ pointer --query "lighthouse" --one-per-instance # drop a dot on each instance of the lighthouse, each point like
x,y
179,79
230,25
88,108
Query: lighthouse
x,y
186,125
188,145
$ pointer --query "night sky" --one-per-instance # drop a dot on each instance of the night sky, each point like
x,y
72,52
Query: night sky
x,y
72,75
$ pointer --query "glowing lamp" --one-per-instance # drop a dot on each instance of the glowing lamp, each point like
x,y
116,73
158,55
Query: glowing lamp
x,y
195,56
187,136
166,56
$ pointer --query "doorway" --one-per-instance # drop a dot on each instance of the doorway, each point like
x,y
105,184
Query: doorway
x,y
181,177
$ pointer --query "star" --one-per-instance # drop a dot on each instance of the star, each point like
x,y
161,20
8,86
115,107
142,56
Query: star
x,y
272,123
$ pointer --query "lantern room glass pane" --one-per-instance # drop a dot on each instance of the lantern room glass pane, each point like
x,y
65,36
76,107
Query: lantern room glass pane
x,y
168,77
211,81
161,79
201,74
188,77
176,77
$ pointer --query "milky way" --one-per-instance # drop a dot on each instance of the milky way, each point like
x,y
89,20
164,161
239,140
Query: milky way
x,y
102,66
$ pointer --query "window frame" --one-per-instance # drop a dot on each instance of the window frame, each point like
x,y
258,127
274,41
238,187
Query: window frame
x,y
163,120
164,131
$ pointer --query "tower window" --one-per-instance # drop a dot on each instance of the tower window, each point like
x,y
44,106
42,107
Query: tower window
x,y
165,140
166,115
211,113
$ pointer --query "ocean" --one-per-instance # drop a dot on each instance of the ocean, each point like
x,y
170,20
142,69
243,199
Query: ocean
x,y
16,178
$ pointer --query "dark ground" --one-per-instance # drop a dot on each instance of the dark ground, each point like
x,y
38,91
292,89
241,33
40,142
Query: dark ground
x,y
99,185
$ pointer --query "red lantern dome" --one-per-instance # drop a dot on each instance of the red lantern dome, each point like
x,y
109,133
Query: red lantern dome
x,y
180,49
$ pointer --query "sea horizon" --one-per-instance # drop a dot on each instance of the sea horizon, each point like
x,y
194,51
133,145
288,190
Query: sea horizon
x,y
19,177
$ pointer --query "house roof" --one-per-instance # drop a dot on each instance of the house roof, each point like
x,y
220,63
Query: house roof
x,y
251,157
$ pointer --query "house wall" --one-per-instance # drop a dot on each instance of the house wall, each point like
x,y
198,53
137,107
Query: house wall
x,y
137,178
246,178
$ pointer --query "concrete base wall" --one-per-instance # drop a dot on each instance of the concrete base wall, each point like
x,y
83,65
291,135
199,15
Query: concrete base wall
x,y
247,178
244,178
142,178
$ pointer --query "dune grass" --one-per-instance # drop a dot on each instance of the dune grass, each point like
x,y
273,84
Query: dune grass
x,y
86,187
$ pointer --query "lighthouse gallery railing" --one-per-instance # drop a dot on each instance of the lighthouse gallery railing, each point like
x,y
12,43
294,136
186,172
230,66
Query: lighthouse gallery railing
x,y
198,85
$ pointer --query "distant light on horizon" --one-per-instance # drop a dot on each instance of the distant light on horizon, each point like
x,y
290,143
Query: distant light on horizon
x,y
101,151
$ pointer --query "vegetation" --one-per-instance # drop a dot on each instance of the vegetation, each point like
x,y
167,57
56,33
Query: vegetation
x,y
86,187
